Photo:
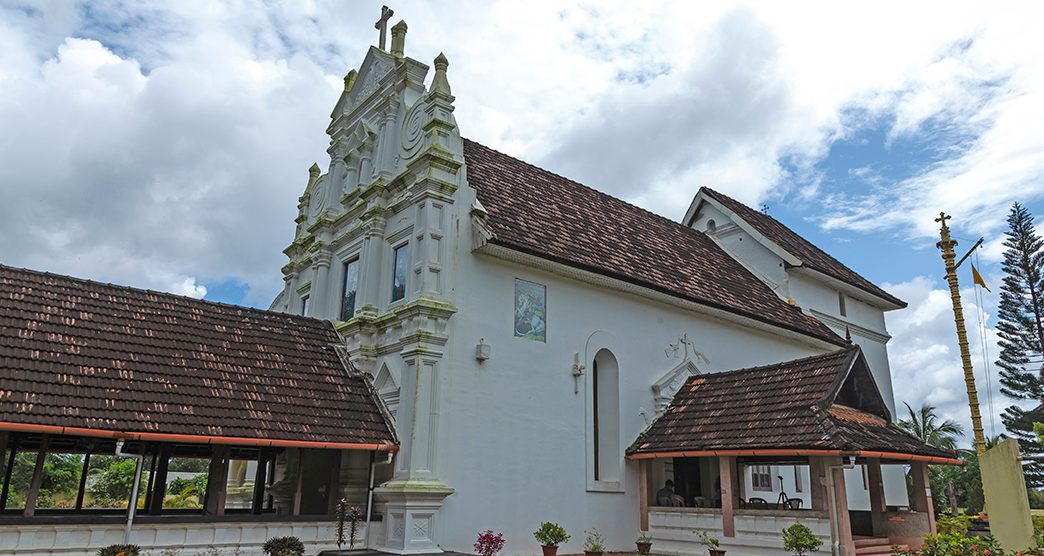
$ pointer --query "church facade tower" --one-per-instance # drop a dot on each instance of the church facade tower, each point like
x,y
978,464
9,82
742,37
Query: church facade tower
x,y
370,254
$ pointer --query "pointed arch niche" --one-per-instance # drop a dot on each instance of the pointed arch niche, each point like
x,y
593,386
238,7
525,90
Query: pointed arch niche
x,y
387,387
605,466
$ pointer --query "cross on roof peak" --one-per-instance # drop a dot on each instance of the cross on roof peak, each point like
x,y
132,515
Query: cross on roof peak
x,y
382,25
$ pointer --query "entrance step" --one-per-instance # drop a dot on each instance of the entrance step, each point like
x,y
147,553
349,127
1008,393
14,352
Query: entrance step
x,y
873,546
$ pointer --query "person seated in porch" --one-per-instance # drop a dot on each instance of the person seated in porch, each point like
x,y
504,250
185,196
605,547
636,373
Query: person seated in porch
x,y
666,496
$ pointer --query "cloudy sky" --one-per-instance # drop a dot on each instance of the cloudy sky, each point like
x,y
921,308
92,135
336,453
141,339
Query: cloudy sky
x,y
164,145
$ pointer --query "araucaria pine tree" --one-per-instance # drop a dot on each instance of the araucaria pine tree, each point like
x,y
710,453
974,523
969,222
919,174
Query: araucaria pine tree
x,y
1022,332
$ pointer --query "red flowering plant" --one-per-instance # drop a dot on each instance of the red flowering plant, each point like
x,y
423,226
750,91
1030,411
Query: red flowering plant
x,y
489,544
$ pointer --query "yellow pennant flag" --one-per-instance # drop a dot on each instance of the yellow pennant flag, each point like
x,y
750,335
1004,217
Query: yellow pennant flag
x,y
977,278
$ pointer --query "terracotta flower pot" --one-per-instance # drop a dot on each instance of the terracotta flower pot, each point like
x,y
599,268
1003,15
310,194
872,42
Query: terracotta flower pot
x,y
549,550
716,552
589,553
643,547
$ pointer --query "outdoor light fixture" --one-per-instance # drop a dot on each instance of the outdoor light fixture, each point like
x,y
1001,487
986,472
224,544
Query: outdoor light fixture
x,y
482,350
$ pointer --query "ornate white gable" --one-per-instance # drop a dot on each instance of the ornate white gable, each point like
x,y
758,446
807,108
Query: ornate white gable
x,y
668,385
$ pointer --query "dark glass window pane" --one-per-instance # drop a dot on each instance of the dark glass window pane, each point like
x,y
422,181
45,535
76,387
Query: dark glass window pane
x,y
351,286
399,272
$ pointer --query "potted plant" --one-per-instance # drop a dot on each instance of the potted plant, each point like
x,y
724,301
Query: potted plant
x,y
488,544
283,546
550,535
799,539
644,544
120,550
710,542
595,543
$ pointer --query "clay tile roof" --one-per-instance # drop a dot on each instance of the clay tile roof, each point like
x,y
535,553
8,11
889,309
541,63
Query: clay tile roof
x,y
789,405
810,255
82,354
542,214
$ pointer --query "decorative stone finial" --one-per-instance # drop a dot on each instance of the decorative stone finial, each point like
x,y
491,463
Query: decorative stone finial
x,y
440,83
398,48
349,80
848,337
313,170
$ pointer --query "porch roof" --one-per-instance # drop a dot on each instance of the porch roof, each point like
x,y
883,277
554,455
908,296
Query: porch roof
x,y
821,405
89,359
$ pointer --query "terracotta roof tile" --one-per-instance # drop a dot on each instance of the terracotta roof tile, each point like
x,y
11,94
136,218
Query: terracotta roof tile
x,y
540,213
788,405
78,353
810,255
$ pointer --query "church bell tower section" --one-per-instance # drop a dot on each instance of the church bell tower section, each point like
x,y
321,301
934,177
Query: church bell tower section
x,y
370,255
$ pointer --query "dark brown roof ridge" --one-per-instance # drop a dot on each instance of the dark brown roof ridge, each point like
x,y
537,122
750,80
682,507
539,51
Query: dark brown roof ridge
x,y
173,296
650,246
846,351
831,267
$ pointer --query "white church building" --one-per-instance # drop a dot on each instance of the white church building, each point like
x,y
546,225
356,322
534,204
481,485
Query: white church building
x,y
524,329
464,342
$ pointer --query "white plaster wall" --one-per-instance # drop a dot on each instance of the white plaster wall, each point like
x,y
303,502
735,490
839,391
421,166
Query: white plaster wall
x,y
514,439
762,262
189,539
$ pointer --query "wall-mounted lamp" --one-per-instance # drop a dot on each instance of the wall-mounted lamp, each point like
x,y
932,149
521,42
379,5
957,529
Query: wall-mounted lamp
x,y
482,350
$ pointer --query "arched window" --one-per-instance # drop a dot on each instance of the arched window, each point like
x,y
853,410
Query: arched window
x,y
605,390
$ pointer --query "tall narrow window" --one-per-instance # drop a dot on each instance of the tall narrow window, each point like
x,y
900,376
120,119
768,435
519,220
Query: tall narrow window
x,y
797,479
605,407
841,304
304,305
351,287
399,271
761,477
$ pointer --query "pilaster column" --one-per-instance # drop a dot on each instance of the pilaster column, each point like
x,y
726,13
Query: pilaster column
x,y
319,307
351,174
389,140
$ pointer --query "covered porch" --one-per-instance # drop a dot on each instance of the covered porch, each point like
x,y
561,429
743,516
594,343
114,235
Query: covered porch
x,y
172,423
728,440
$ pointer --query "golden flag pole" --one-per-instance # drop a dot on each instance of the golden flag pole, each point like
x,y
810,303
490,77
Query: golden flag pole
x,y
947,244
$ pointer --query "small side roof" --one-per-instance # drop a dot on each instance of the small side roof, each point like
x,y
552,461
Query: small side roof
x,y
86,358
789,241
826,403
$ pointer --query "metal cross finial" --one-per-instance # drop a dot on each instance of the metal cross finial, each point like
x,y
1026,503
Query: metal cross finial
x,y
686,343
382,24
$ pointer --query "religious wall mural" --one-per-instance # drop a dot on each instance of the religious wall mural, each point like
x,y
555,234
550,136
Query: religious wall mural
x,y
530,310
402,262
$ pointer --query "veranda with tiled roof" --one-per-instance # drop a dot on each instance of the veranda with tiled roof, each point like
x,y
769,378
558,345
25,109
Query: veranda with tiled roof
x,y
92,369
823,412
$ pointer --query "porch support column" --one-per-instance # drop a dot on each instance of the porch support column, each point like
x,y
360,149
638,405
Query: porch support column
x,y
922,492
729,494
839,514
159,476
37,480
217,481
818,478
4,435
643,495
875,485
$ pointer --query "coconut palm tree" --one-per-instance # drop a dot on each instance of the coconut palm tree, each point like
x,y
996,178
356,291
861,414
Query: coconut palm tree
x,y
925,424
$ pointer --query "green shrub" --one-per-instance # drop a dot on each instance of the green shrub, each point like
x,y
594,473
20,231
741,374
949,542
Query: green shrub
x,y
284,546
550,534
954,544
197,484
114,481
120,550
953,524
799,539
